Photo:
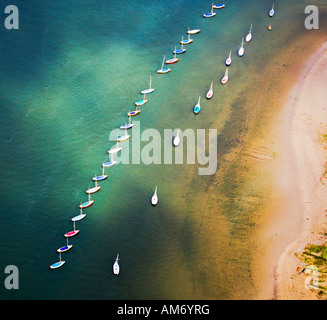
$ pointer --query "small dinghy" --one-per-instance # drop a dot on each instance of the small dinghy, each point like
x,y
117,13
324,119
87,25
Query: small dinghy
x,y
72,233
65,248
187,41
129,125
162,70
94,189
101,177
240,51
110,163
225,77
228,61
218,6
125,137
133,113
197,107
181,50
154,199
141,102
272,11
147,91
58,264
210,14
174,60
87,203
210,92
249,35
116,149
193,31
176,140
80,216
116,268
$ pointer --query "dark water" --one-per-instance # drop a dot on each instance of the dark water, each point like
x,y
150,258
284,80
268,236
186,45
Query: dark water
x,y
68,77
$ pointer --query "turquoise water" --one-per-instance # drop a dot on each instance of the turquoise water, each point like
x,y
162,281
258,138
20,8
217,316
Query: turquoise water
x,y
69,75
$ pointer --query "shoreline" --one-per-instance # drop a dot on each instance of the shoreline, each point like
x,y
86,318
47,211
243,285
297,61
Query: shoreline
x,y
297,204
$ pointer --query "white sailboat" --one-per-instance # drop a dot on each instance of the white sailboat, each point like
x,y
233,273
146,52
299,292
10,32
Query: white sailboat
x,y
228,61
94,189
65,248
128,125
240,51
225,77
174,60
101,177
141,102
124,137
189,40
79,217
154,199
176,140
210,92
116,149
249,35
193,31
58,264
272,11
162,70
147,91
116,268
110,163
197,107
210,14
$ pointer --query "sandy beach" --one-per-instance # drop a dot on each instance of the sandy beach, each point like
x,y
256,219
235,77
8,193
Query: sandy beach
x,y
298,203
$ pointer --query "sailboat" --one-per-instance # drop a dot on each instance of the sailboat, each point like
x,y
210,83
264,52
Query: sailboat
x,y
58,264
210,92
240,51
218,6
189,40
128,125
110,163
116,268
193,31
197,107
101,177
65,248
154,199
94,189
249,35
272,11
147,91
181,50
72,233
141,102
124,137
162,70
225,77
133,113
80,216
176,139
87,203
210,14
116,149
174,60
228,61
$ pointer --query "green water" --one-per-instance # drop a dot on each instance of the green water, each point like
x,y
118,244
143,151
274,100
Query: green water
x,y
69,75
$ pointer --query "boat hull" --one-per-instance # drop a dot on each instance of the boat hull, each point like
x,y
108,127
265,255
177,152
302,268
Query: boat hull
x,y
176,141
141,103
123,138
228,62
186,41
57,265
115,150
65,248
172,61
71,233
179,51
93,190
209,94
209,15
218,6
126,126
162,71
240,52
146,91
109,164
79,217
224,80
86,204
248,37
196,109
133,113
100,178
194,31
